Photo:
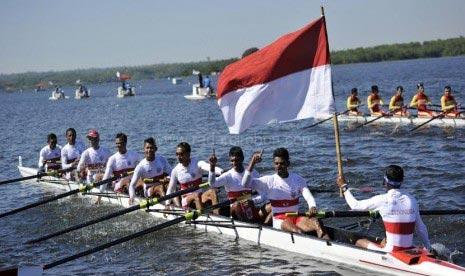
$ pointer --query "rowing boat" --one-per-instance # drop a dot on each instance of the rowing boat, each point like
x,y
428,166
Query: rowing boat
x,y
340,250
442,122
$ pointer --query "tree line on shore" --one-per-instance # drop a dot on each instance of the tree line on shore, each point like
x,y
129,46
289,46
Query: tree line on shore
x,y
413,50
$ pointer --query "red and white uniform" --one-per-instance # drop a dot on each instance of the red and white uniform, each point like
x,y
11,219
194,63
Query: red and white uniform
x,y
119,164
283,194
69,154
156,169
401,218
50,158
232,183
94,161
187,177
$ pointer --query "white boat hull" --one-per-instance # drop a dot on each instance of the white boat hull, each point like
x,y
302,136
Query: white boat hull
x,y
443,122
199,93
338,252
126,93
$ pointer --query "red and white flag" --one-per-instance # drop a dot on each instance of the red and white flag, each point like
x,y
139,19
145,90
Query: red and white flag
x,y
290,79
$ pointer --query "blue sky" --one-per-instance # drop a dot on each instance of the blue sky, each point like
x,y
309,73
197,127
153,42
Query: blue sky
x,y
42,35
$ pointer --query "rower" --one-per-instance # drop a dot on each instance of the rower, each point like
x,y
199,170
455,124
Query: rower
x,y
396,105
93,160
283,189
448,104
71,153
188,173
231,181
374,102
353,103
398,209
420,102
50,155
121,162
151,172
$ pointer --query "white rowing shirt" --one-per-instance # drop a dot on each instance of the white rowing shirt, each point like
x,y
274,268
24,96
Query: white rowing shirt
x,y
400,214
118,164
232,183
69,154
187,176
94,162
149,169
50,157
283,193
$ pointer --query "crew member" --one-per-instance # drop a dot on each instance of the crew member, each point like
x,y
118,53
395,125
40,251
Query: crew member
x,y
93,160
353,103
152,171
374,102
123,161
448,104
283,189
71,153
188,173
420,102
396,105
50,155
398,209
232,182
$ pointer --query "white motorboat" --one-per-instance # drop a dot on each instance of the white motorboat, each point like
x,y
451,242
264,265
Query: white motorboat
x,y
199,93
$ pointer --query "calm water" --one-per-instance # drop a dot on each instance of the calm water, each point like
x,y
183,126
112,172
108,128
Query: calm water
x,y
433,159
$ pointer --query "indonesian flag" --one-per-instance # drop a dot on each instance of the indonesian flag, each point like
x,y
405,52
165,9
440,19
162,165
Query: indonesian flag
x,y
290,79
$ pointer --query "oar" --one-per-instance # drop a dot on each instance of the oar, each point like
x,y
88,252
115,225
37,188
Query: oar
x,y
185,217
143,204
433,118
82,188
372,120
38,175
325,120
350,214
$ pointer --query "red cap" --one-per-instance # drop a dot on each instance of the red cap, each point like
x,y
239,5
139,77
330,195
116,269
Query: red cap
x,y
93,133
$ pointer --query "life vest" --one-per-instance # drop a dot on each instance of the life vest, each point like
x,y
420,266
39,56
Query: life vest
x,y
373,98
422,100
353,100
449,100
398,101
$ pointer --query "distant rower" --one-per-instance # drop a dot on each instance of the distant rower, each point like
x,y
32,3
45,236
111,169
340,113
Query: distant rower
x,y
396,105
353,103
449,105
420,101
50,155
374,102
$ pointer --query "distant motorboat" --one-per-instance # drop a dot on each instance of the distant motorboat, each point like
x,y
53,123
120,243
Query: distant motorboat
x,y
199,93
58,95
131,91
82,94
176,80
